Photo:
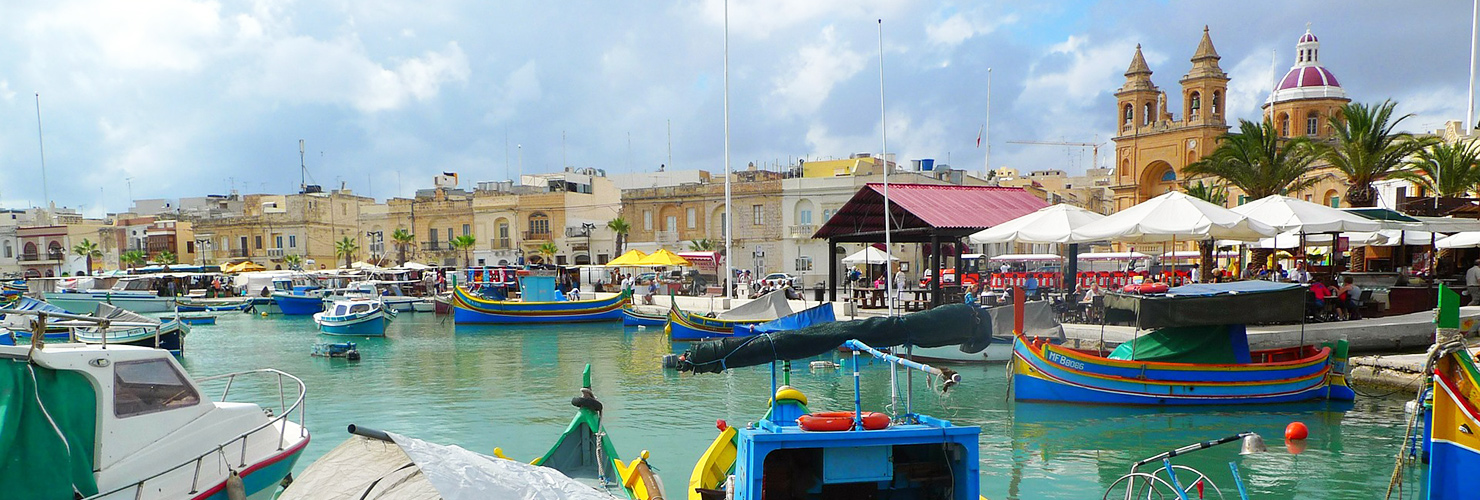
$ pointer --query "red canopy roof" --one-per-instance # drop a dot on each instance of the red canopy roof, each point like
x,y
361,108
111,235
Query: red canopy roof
x,y
922,209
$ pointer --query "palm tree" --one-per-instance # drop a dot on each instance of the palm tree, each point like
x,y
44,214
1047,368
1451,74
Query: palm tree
x,y
346,248
549,250
1367,150
89,250
167,258
620,227
465,243
132,258
1446,169
1217,195
1258,162
403,239
294,261
701,245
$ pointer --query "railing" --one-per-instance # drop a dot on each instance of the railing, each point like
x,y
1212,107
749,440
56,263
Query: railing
x,y
281,420
239,252
31,257
275,253
801,231
666,237
434,246
499,243
539,236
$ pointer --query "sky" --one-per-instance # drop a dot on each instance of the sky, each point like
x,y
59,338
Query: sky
x,y
177,98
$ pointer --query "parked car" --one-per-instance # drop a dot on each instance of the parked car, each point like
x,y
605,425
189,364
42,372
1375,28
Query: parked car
x,y
779,279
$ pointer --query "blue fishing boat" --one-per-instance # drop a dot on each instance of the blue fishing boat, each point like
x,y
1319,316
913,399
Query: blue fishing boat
x,y
129,328
540,303
1197,353
298,304
632,317
815,315
213,305
362,317
190,318
21,325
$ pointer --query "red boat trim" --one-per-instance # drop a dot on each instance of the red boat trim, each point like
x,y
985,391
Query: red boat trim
x,y
254,467
1050,376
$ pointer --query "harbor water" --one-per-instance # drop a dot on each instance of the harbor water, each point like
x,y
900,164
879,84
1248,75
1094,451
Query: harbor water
x,y
482,387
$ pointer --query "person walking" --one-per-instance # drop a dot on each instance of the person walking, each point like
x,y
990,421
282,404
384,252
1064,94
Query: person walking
x,y
1472,283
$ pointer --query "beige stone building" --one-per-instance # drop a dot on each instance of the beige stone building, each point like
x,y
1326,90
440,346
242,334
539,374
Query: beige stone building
x,y
673,216
271,226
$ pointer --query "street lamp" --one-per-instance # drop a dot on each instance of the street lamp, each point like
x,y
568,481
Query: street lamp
x,y
587,227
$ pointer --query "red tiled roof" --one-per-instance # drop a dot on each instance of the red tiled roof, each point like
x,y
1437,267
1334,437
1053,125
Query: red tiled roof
x,y
920,206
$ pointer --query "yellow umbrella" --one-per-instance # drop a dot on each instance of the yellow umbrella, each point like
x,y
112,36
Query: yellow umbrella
x,y
663,257
242,267
630,258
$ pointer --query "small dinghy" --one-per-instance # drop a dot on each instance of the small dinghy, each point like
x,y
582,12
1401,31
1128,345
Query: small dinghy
x,y
344,350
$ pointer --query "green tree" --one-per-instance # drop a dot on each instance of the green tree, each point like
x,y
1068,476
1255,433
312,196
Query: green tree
x,y
1258,162
701,245
548,249
1446,169
167,258
294,261
132,258
1367,150
89,250
1217,195
621,228
403,239
346,248
465,243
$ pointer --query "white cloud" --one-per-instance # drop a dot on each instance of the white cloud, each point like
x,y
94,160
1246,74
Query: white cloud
x,y
961,27
338,71
761,18
1249,84
1075,72
172,35
813,72
1431,108
5,92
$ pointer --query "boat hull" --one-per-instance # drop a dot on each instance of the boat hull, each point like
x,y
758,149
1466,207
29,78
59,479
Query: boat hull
x,y
370,325
470,309
689,326
1055,373
263,479
631,317
298,305
427,305
170,336
1454,454
87,302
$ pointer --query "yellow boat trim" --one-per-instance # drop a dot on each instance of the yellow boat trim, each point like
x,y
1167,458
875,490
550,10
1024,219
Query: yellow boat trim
x,y
1315,359
1039,357
714,465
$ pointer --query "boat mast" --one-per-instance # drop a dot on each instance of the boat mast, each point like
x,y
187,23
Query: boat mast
x,y
729,212
41,142
1470,109
888,241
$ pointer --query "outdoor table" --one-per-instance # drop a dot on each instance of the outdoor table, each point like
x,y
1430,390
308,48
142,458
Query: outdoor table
x,y
869,298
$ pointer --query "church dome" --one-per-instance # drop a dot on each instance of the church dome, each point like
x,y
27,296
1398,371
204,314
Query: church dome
x,y
1307,79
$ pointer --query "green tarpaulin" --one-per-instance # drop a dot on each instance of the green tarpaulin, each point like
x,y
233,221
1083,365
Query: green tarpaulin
x,y
47,424
1224,344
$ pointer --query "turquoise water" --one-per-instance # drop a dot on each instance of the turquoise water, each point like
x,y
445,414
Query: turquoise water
x,y
485,386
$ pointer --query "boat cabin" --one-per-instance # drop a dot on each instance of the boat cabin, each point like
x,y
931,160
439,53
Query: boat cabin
x,y
350,308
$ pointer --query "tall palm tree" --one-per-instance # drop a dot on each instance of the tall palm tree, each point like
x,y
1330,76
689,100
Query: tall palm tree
x,y
1367,150
1217,195
1258,161
346,248
89,250
1446,169
465,243
403,239
620,227
549,250
294,261
132,258
701,245
167,258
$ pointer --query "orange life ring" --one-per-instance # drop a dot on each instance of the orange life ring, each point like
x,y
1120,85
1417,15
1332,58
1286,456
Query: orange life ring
x,y
841,421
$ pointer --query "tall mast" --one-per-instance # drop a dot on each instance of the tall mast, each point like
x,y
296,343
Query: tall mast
x,y
729,208
987,128
1470,109
41,142
884,146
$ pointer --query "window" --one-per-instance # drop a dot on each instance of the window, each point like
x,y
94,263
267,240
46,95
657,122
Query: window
x,y
1169,176
1242,199
149,386
189,247
755,215
244,245
1334,201
1217,98
647,220
258,240
7,250
804,217
1284,125
1312,123
1146,118
449,234
434,236
467,229
689,218
804,263
559,260
1129,114
539,223
670,223
827,215
279,239
292,241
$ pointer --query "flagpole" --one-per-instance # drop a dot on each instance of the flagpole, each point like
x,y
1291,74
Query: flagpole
x,y
884,152
1470,109
729,208
987,127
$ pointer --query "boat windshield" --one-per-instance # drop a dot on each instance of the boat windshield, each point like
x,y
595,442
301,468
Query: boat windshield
x,y
149,386
359,308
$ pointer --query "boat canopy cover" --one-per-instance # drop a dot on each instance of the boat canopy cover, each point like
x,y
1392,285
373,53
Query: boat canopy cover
x,y
20,322
768,307
412,469
957,324
48,420
815,315
1221,344
1236,303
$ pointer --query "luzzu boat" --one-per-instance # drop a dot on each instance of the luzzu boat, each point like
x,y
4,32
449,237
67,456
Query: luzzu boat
x,y
362,317
632,317
540,303
1454,420
124,422
213,305
129,328
1198,354
683,325
21,324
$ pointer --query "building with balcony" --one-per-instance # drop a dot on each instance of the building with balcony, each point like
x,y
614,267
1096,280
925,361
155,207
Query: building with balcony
x,y
10,248
270,227
674,216
567,209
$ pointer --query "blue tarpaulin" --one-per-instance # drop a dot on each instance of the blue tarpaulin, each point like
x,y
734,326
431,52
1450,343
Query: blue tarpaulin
x,y
822,313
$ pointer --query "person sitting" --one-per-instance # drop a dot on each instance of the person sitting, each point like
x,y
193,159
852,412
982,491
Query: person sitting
x,y
1349,299
1321,293
969,298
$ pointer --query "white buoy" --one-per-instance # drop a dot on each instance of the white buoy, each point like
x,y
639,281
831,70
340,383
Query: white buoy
x,y
235,489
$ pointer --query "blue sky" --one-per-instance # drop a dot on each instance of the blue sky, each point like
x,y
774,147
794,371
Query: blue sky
x,y
179,98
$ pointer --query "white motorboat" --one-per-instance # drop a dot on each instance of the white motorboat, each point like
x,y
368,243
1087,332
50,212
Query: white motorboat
x,y
127,422
424,305
357,316
139,295
388,292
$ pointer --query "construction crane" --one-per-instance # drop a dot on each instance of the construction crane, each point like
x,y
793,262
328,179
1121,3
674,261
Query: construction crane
x,y
1095,148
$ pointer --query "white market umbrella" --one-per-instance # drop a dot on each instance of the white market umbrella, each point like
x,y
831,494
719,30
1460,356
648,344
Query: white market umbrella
x,y
1396,237
1291,239
1174,216
1053,224
1092,256
1299,216
869,255
1468,239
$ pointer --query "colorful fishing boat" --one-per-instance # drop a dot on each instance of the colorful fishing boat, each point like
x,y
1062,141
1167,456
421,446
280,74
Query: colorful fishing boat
x,y
360,317
190,318
213,305
540,304
684,325
633,317
128,422
1197,353
1454,419
126,327
22,325
585,452
299,304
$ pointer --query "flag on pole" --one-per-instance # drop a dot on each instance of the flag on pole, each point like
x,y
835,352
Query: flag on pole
x,y
979,135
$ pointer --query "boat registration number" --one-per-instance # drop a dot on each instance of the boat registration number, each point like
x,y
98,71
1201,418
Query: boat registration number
x,y
1065,361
